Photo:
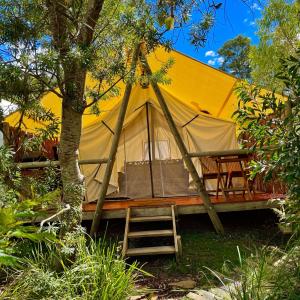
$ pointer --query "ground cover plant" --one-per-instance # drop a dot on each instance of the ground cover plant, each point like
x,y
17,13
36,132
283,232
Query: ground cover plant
x,y
34,262
94,272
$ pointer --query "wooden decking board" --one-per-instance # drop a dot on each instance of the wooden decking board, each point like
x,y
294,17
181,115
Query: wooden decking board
x,y
151,219
150,250
150,233
178,201
185,205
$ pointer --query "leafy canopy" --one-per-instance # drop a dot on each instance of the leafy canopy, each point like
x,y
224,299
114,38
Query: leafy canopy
x,y
235,53
279,37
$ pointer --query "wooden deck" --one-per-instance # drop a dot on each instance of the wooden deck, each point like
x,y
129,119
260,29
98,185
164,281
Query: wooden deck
x,y
185,205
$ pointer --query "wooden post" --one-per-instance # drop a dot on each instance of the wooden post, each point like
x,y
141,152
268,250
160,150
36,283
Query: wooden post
x,y
115,143
185,155
51,163
149,149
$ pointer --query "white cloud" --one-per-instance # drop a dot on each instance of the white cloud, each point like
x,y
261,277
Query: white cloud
x,y
255,6
210,53
252,23
220,60
217,61
212,62
245,20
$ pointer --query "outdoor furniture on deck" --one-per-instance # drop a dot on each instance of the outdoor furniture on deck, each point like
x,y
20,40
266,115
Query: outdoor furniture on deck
x,y
235,166
211,170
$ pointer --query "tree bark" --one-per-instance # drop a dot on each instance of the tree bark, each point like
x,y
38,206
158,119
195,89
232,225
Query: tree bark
x,y
72,179
72,88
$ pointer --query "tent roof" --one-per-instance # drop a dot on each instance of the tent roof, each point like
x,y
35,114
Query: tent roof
x,y
197,85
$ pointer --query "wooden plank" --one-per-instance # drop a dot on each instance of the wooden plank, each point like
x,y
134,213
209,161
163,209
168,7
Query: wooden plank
x,y
150,233
125,240
222,153
174,232
48,163
192,209
141,204
235,189
150,250
151,218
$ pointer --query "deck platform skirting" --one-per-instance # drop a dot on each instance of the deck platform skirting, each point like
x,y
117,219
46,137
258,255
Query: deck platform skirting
x,y
116,209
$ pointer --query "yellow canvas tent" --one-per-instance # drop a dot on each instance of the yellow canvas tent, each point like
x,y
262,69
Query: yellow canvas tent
x,y
194,87
196,84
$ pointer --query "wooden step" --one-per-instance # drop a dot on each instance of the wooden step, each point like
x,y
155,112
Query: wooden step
x,y
150,233
151,219
235,189
150,250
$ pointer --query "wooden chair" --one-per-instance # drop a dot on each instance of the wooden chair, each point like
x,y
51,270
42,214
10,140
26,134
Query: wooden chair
x,y
212,170
236,168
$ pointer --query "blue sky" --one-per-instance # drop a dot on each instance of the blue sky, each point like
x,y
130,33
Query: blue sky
x,y
233,18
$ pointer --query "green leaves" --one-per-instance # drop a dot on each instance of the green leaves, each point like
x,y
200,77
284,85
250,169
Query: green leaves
x,y
235,53
169,22
278,32
270,124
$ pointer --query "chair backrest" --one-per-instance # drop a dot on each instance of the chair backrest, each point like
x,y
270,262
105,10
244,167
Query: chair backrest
x,y
233,166
208,165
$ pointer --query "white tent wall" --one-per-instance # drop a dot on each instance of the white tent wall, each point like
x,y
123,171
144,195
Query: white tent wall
x,y
204,133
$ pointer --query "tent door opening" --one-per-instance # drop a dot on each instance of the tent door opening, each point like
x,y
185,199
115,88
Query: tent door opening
x,y
158,173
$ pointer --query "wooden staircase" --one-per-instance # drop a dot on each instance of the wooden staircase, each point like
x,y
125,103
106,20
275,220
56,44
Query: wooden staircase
x,y
133,215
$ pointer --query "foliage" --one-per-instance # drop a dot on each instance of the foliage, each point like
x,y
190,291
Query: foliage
x,y
14,229
271,124
279,37
235,53
10,177
15,215
270,273
95,273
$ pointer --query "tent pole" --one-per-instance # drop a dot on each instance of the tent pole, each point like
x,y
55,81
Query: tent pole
x,y
149,149
185,155
115,143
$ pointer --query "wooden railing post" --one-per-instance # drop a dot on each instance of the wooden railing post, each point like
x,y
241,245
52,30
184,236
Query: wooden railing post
x,y
115,143
185,155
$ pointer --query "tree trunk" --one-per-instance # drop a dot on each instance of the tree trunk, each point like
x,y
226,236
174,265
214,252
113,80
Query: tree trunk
x,y
72,179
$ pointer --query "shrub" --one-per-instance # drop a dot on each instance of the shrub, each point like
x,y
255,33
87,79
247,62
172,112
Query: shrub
x,y
95,272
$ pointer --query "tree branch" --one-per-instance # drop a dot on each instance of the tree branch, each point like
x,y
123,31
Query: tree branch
x,y
104,93
87,31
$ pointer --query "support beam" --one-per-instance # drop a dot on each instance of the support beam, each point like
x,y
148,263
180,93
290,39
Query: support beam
x,y
221,152
150,145
187,159
50,163
115,143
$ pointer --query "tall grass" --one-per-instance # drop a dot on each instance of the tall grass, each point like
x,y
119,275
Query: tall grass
x,y
95,272
269,274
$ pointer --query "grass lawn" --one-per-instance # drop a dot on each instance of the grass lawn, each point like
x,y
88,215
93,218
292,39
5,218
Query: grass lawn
x,y
203,248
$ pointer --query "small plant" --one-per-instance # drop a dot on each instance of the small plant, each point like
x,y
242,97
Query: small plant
x,y
16,213
95,272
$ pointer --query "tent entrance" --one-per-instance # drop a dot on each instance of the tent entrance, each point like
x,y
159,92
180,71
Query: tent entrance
x,y
160,171
170,178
